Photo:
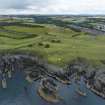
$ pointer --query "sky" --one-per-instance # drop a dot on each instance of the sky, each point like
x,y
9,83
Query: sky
x,y
52,7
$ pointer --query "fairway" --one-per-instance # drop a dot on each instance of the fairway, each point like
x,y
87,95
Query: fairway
x,y
56,44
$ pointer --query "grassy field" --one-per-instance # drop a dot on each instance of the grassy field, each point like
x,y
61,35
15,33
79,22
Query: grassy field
x,y
57,45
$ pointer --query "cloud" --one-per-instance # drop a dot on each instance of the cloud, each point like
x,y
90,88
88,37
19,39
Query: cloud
x,y
52,7
14,4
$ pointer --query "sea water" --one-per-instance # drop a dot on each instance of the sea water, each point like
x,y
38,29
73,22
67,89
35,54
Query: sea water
x,y
20,92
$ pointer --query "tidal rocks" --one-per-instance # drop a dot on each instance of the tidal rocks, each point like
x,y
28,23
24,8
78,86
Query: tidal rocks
x,y
97,83
48,90
94,76
78,65
10,64
32,67
4,83
95,80
63,77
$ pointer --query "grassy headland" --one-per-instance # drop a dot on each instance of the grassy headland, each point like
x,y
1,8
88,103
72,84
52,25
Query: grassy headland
x,y
56,44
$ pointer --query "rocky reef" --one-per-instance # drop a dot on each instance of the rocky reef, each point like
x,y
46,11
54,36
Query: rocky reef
x,y
35,68
96,82
48,90
94,76
31,66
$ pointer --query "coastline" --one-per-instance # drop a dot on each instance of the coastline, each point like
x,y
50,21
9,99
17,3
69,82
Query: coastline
x,y
95,91
66,82
48,98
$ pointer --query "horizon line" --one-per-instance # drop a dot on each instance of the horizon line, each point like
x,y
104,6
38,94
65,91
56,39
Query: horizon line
x,y
57,14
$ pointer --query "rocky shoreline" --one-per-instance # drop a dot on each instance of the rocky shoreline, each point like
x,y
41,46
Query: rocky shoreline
x,y
35,68
48,90
94,76
48,98
95,91
97,84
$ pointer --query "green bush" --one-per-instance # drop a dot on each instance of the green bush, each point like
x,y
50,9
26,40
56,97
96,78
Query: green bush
x,y
47,46
55,41
40,44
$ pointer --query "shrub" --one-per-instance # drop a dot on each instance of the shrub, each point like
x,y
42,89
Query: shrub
x,y
58,41
30,45
40,44
47,46
55,41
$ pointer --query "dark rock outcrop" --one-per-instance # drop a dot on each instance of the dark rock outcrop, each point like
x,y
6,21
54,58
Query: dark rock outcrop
x,y
94,76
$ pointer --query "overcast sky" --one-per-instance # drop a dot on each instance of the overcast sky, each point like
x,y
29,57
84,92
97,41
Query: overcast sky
x,y
52,6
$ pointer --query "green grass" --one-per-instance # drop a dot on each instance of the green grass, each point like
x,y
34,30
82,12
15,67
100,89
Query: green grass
x,y
83,45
